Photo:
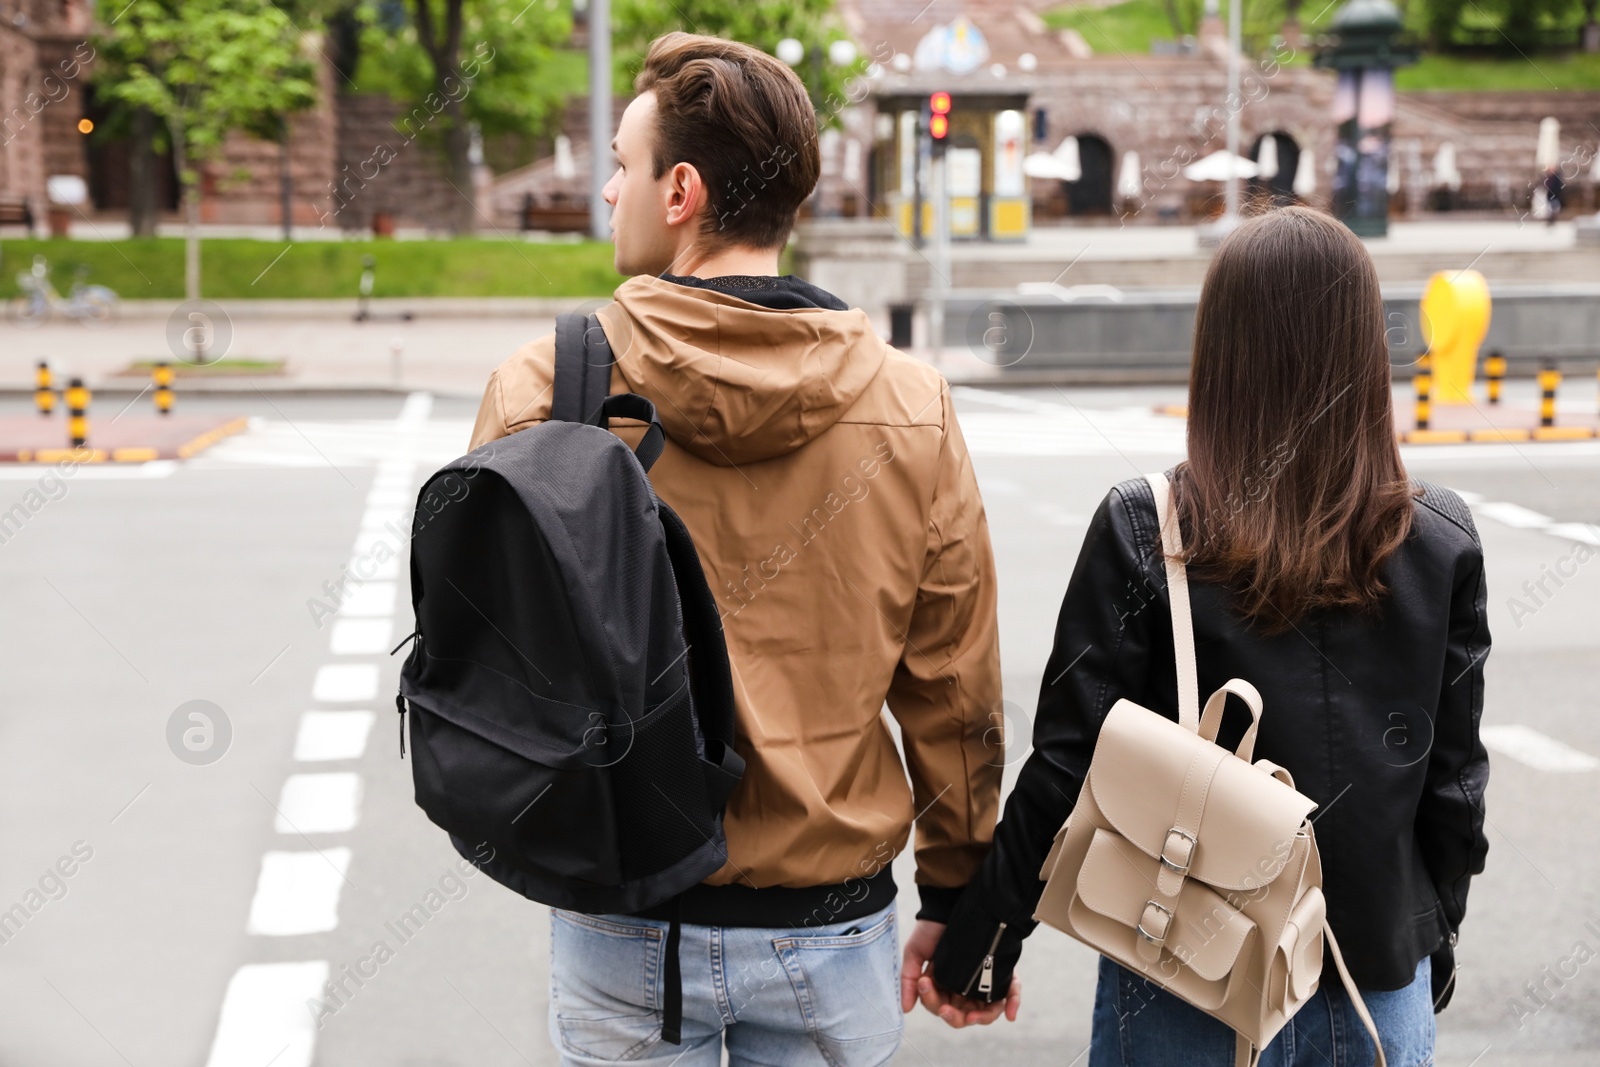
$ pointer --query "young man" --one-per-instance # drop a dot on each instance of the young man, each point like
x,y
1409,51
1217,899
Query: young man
x,y
834,506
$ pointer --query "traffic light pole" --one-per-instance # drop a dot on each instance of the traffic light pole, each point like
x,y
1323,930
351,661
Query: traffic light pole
x,y
941,254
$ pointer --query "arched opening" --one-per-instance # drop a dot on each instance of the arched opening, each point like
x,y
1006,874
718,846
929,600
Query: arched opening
x,y
1280,186
1091,193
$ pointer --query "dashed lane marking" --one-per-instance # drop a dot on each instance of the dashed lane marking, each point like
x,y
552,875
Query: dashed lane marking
x,y
298,892
264,1017
337,682
326,803
332,735
355,637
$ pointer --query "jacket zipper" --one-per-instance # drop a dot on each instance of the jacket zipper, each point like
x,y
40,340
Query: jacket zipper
x,y
985,973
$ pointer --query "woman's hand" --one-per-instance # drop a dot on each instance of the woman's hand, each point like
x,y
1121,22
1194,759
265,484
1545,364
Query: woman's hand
x,y
956,1010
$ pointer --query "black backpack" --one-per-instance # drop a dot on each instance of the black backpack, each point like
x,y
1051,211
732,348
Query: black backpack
x,y
572,708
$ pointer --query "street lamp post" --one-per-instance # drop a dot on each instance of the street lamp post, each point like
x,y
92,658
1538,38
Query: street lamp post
x,y
1364,53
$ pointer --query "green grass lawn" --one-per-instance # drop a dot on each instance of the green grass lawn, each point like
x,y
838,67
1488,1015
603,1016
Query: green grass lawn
x,y
239,269
1575,70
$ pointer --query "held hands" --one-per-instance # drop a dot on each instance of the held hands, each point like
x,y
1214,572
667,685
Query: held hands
x,y
916,983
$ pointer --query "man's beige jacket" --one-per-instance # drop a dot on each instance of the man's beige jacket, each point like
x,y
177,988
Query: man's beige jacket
x,y
835,509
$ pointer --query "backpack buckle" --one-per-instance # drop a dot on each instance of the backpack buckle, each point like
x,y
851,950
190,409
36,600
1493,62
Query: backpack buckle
x,y
1183,854
1166,922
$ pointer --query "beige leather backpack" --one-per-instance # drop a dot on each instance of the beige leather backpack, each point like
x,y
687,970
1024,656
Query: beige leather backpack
x,y
1190,864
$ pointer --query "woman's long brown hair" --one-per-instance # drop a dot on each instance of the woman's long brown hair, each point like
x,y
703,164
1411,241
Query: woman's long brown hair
x,y
1294,493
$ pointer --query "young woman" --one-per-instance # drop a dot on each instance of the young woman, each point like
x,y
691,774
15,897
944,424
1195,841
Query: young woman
x,y
1350,596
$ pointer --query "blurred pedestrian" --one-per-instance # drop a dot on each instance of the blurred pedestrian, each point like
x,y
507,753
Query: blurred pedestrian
x,y
1554,186
828,490
1351,597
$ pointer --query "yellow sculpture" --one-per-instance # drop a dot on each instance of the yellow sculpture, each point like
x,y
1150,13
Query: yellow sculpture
x,y
1455,317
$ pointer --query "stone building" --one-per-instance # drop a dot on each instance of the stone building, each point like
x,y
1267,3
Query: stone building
x,y
1136,118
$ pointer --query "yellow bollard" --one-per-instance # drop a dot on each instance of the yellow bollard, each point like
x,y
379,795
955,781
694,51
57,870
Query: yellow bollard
x,y
161,376
44,396
1495,369
1424,383
1549,381
1455,317
78,413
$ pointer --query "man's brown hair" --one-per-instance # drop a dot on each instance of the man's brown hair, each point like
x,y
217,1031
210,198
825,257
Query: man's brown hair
x,y
1294,493
743,120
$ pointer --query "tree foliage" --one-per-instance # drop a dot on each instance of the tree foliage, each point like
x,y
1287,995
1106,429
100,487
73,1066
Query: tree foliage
x,y
760,23
521,77
209,67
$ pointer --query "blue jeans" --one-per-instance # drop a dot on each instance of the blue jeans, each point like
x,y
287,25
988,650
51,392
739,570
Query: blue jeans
x,y
1139,1024
824,996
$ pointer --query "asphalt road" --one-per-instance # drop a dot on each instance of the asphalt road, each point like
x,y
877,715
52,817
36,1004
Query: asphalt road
x,y
130,594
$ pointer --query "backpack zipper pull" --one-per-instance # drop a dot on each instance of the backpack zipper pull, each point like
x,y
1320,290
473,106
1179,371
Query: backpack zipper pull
x,y
402,644
400,706
985,974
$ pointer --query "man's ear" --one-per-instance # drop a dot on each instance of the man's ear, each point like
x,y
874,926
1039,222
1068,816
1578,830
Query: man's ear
x,y
686,194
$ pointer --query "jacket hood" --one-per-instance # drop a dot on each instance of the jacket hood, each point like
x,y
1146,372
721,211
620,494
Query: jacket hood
x,y
732,381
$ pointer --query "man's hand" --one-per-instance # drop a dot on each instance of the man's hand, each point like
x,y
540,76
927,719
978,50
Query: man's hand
x,y
956,1010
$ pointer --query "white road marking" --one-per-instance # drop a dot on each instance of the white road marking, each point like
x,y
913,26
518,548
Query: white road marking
x,y
1513,515
319,803
1587,532
355,637
345,681
376,518
390,498
352,443
417,408
373,567
93,472
298,893
369,600
264,1017
1527,745
332,735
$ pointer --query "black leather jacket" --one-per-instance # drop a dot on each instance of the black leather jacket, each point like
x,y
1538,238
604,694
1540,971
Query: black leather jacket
x,y
1376,716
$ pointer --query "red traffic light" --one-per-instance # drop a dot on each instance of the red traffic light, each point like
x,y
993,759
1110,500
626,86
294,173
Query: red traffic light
x,y
939,103
939,126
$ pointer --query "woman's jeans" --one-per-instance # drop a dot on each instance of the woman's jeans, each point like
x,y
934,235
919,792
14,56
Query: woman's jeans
x,y
821,996
1139,1024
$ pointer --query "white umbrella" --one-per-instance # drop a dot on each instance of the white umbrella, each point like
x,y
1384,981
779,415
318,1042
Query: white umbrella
x,y
1548,153
1267,157
1131,182
1219,165
1594,171
1392,180
1444,167
1062,164
1305,175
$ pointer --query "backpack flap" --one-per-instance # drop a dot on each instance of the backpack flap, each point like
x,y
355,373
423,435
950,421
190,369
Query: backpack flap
x,y
1143,762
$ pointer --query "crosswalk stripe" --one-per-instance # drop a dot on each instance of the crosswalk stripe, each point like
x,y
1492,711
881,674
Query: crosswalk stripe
x,y
265,1018
1527,745
332,735
337,682
327,803
298,892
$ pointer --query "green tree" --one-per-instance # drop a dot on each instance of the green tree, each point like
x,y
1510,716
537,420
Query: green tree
x,y
760,23
456,66
206,68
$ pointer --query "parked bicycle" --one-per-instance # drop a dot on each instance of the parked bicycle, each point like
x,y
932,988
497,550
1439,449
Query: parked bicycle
x,y
38,299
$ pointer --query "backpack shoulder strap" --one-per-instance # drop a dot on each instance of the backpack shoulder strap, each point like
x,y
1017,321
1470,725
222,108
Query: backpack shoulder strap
x,y
708,656
583,367
1178,592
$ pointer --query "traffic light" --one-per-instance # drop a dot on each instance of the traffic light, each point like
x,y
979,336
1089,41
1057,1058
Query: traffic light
x,y
939,116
